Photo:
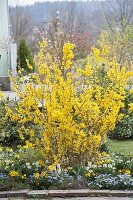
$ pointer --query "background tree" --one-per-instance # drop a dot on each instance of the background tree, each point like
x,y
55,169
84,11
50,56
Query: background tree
x,y
117,33
21,24
117,11
119,44
24,57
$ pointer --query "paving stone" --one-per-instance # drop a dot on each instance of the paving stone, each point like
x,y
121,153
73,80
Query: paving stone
x,y
58,193
78,193
38,193
102,193
3,194
118,193
129,193
63,194
18,193
93,198
4,199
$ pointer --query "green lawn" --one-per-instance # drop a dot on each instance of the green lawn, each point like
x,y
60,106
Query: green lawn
x,y
123,147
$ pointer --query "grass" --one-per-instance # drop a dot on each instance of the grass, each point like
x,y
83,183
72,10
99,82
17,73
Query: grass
x,y
122,147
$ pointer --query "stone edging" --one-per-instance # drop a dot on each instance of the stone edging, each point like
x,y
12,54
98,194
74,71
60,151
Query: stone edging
x,y
65,193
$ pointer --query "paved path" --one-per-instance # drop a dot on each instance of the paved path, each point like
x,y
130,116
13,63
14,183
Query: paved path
x,y
84,198
9,94
97,198
12,96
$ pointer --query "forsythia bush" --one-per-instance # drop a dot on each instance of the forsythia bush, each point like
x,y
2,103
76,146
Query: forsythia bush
x,y
65,111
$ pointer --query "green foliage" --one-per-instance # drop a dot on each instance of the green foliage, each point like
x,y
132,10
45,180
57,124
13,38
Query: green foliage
x,y
8,128
124,128
104,148
77,171
24,55
10,184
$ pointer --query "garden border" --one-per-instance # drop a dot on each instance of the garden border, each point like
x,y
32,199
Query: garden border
x,y
66,193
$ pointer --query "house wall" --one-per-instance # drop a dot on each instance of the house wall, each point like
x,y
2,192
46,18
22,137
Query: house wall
x,y
4,43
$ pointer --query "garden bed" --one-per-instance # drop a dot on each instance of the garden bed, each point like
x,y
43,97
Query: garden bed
x,y
26,169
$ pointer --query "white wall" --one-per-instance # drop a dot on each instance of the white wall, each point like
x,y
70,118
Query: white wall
x,y
4,38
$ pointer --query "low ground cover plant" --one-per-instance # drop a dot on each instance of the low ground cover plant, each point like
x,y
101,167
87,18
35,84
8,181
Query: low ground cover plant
x,y
29,170
124,128
8,128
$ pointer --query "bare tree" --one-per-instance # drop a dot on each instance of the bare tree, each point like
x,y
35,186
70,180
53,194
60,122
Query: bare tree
x,y
21,24
119,12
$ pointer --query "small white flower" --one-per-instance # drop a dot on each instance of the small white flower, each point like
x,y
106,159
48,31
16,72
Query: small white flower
x,y
37,164
58,168
28,165
104,165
